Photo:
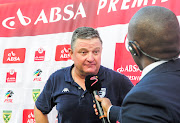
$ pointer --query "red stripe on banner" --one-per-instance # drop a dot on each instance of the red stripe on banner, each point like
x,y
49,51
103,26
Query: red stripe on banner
x,y
127,66
38,17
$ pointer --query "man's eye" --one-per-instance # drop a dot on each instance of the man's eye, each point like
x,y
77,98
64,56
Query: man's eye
x,y
96,52
83,52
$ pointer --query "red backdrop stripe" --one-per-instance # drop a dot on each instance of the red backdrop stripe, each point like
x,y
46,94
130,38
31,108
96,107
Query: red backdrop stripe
x,y
38,17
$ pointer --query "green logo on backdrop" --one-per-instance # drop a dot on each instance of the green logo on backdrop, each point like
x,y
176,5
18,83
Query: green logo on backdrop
x,y
7,115
35,94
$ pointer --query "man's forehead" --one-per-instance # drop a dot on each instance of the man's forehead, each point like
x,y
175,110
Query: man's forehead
x,y
92,44
88,41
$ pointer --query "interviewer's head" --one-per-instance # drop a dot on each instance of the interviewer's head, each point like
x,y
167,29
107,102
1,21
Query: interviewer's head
x,y
156,31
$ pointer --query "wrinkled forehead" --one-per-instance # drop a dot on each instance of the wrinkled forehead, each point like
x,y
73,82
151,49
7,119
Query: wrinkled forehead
x,y
95,42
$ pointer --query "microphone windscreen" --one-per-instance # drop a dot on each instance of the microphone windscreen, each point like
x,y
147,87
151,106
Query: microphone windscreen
x,y
92,83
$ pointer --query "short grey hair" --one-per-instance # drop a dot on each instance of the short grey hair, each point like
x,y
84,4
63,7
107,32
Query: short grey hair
x,y
84,33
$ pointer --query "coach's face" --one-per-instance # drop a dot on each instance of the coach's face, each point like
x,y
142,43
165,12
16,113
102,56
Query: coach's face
x,y
87,56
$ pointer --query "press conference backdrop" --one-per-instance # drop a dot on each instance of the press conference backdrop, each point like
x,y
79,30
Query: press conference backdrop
x,y
35,36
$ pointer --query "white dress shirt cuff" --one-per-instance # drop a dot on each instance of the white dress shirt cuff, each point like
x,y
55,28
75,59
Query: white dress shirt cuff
x,y
108,113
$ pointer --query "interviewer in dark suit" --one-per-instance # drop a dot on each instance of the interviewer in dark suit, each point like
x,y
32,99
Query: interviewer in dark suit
x,y
154,42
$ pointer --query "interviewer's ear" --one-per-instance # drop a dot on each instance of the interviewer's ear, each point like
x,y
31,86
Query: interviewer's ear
x,y
133,49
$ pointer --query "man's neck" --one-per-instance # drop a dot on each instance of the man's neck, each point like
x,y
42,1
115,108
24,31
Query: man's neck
x,y
78,78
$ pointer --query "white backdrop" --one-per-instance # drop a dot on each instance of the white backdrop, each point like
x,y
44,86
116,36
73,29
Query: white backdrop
x,y
19,46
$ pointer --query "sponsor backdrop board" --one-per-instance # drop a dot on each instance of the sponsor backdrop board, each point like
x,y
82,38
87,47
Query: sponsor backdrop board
x,y
35,36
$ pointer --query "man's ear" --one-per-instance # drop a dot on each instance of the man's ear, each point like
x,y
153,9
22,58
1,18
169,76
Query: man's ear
x,y
133,49
70,53
136,49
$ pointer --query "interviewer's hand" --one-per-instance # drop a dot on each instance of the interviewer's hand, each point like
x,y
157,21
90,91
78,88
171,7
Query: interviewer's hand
x,y
105,103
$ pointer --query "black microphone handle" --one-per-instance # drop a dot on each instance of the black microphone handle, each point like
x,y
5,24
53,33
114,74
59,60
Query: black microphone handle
x,y
99,108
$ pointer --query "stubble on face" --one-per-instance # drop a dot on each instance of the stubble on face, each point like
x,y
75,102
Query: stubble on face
x,y
87,56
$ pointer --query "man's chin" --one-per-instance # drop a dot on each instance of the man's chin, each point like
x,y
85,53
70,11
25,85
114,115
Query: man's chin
x,y
91,72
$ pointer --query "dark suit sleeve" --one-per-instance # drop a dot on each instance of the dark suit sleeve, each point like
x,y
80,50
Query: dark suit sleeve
x,y
144,107
141,107
114,114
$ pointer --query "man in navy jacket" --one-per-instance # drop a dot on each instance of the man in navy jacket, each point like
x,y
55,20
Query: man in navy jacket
x,y
66,90
154,42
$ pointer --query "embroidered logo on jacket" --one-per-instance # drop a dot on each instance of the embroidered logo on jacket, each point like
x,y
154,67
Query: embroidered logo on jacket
x,y
102,92
65,90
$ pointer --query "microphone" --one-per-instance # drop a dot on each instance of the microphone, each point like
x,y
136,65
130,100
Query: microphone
x,y
93,86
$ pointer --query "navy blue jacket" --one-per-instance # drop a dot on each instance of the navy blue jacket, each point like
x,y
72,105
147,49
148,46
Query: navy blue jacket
x,y
155,99
74,105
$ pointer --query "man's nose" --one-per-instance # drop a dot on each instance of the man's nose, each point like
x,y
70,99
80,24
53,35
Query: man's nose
x,y
90,57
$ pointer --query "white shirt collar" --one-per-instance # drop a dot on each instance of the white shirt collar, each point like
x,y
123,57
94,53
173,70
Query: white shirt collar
x,y
148,68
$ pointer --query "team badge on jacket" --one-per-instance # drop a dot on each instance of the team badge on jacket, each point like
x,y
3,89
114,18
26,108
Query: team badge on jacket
x,y
102,92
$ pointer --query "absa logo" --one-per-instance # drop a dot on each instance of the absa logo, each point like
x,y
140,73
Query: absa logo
x,y
28,116
14,55
62,53
9,22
